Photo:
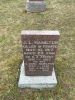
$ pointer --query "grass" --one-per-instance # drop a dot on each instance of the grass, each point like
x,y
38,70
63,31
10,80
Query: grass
x,y
60,15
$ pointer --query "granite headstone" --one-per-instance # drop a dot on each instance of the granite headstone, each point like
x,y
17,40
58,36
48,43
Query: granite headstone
x,y
39,50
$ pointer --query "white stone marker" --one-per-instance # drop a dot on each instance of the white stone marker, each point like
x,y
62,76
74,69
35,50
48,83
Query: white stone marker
x,y
35,5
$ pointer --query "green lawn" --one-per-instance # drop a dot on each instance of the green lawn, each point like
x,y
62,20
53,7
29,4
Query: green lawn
x,y
60,15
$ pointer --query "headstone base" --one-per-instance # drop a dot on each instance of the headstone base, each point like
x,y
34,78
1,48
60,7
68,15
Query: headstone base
x,y
37,82
35,6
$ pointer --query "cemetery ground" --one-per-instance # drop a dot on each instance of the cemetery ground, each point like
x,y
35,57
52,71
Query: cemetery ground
x,y
60,15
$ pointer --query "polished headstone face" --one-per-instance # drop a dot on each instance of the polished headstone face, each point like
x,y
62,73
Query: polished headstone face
x,y
39,50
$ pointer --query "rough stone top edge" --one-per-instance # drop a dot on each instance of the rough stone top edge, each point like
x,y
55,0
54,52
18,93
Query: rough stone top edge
x,y
39,32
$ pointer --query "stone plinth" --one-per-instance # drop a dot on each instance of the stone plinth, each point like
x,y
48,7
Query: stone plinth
x,y
38,82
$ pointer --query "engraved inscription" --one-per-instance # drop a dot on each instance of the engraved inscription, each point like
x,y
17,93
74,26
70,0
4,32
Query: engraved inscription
x,y
39,54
